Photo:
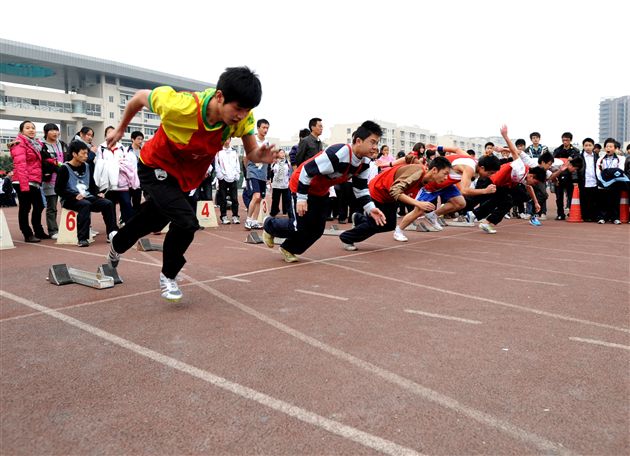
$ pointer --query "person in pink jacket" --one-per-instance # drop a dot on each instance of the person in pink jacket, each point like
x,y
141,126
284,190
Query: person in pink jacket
x,y
27,181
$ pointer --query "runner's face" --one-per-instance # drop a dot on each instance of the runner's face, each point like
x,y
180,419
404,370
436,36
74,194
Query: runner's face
x,y
232,113
367,147
442,175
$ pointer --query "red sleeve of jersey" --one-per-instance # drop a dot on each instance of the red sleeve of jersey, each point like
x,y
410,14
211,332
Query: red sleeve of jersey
x,y
503,177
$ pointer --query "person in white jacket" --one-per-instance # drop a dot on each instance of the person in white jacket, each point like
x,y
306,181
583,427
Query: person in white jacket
x,y
228,169
115,172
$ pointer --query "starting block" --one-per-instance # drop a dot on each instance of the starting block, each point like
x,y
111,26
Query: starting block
x,y
461,222
333,231
253,238
145,245
61,274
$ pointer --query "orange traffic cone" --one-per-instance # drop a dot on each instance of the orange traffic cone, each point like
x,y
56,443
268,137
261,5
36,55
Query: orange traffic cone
x,y
624,208
575,213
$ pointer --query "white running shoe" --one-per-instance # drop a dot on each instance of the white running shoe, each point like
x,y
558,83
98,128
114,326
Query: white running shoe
x,y
170,289
487,228
399,235
349,247
470,217
433,220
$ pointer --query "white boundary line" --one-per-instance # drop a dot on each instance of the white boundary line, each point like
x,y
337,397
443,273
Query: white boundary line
x,y
599,342
438,271
323,295
415,388
535,281
444,317
334,427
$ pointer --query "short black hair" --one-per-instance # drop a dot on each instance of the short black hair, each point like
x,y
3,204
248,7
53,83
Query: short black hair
x,y
304,132
313,122
610,140
471,152
597,146
567,134
539,173
534,133
546,157
588,140
440,163
520,142
489,163
488,144
240,84
135,134
262,122
366,129
75,147
50,127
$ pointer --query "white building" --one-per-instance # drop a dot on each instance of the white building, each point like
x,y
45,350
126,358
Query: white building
x,y
71,90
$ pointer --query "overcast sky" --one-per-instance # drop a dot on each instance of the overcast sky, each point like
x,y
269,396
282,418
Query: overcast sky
x,y
463,67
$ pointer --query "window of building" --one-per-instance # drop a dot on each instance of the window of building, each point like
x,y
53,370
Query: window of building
x,y
111,99
111,115
110,80
348,131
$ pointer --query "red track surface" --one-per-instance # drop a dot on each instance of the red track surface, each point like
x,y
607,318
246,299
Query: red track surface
x,y
535,361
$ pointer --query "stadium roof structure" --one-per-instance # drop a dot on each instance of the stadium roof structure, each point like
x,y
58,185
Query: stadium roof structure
x,y
26,64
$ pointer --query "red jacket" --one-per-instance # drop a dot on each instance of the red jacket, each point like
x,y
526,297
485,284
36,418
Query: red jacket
x,y
27,163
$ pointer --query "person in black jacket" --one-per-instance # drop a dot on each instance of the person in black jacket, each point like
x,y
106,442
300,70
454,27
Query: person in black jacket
x,y
311,145
564,186
78,192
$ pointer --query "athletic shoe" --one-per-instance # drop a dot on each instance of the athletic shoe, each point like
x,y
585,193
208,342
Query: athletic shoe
x,y
268,239
225,220
288,256
399,235
560,217
542,217
170,289
617,222
433,220
356,219
601,221
349,247
255,225
94,232
525,216
487,228
83,243
248,224
470,217
113,257
507,216
534,221
236,220
54,236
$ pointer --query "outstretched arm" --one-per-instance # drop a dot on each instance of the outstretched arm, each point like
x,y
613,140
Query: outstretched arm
x,y
138,101
258,154
511,146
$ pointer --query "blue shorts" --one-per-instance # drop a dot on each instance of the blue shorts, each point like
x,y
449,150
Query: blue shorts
x,y
445,194
257,186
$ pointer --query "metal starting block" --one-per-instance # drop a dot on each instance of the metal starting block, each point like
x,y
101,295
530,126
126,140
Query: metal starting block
x,y
253,238
460,221
145,245
62,274
333,231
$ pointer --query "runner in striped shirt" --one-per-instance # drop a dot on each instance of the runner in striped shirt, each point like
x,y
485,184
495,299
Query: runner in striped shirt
x,y
310,183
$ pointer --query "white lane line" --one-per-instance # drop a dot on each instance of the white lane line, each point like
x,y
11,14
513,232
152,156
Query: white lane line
x,y
234,279
423,392
382,277
444,317
599,342
234,248
414,268
352,261
334,427
511,265
535,281
339,298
